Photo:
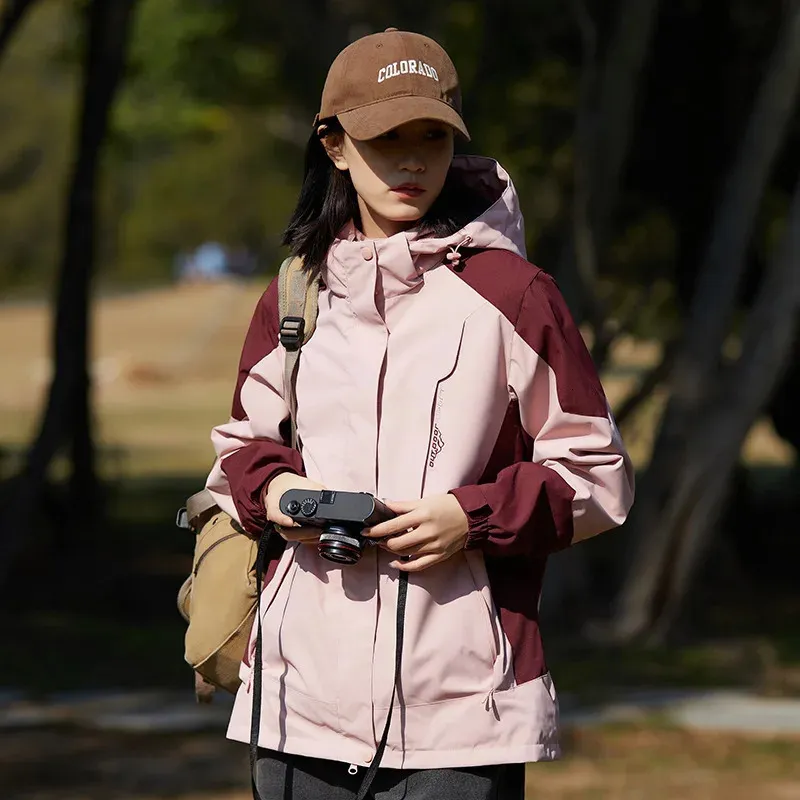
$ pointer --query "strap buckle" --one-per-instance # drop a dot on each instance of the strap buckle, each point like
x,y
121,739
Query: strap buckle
x,y
182,519
291,332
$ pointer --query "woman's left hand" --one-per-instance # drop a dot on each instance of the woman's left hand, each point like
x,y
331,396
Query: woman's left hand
x,y
425,531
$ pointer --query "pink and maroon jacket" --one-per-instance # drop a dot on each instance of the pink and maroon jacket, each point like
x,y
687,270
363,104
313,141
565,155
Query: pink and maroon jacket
x,y
421,379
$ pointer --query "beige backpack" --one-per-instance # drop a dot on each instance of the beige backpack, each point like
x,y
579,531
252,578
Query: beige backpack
x,y
220,597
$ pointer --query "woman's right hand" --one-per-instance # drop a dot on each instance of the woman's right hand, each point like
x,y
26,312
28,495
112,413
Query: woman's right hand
x,y
286,526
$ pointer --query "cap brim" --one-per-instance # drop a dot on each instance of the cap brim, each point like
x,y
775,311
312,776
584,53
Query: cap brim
x,y
375,119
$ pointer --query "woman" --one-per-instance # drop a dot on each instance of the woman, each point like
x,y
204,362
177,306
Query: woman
x,y
445,374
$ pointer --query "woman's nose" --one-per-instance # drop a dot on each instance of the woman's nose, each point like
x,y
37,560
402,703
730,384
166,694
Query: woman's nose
x,y
411,162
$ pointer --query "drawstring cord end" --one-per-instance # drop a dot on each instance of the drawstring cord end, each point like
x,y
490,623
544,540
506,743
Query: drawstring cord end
x,y
453,256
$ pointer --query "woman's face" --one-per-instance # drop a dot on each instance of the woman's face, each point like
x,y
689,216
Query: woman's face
x,y
397,176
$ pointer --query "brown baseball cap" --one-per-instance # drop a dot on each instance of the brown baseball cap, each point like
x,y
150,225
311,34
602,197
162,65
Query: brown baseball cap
x,y
387,79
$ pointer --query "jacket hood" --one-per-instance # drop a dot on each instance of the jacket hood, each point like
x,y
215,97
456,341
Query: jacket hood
x,y
499,227
403,258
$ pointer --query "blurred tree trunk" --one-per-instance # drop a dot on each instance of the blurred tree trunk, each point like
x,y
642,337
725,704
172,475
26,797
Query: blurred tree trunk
x,y
649,382
603,131
668,510
13,14
743,392
66,421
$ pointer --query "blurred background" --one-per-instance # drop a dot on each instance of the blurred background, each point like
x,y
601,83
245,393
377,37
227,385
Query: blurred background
x,y
150,153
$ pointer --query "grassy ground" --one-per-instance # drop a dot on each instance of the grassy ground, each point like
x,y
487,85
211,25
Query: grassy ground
x,y
633,763
613,763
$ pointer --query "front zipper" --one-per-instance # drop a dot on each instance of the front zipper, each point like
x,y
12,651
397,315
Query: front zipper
x,y
216,544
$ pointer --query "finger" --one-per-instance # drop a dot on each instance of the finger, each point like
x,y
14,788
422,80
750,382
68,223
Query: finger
x,y
274,514
299,539
401,506
299,534
410,542
426,548
419,564
397,525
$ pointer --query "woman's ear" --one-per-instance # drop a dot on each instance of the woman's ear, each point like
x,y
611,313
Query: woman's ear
x,y
334,147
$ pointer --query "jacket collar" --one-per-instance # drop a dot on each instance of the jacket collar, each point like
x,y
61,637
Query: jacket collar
x,y
395,265
355,259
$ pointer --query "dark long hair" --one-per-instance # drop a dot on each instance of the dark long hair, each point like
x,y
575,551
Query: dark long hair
x,y
328,201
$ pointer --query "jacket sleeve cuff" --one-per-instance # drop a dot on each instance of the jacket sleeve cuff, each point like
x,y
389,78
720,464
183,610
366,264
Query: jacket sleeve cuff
x,y
249,473
475,505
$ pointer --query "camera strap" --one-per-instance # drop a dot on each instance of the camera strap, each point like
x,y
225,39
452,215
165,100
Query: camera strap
x,y
255,721
402,592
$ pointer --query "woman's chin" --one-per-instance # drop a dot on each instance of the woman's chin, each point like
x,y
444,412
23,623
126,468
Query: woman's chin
x,y
404,213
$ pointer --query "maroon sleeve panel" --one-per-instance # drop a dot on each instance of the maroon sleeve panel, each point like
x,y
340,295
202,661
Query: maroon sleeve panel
x,y
546,326
527,511
250,459
249,471
261,339
576,480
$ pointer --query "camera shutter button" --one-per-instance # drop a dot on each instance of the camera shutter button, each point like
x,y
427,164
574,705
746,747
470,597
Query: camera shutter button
x,y
293,507
308,507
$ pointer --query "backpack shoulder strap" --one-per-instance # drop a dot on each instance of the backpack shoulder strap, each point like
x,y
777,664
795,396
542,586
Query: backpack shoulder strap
x,y
297,304
298,301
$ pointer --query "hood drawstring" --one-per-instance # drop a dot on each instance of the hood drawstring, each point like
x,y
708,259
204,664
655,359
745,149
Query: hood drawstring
x,y
453,256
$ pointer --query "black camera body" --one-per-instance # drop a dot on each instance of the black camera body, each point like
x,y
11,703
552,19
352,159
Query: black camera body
x,y
343,516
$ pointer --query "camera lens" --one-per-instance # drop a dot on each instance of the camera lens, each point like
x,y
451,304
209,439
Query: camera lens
x,y
293,507
340,545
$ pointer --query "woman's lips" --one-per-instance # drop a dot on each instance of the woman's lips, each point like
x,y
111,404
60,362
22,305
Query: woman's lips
x,y
408,190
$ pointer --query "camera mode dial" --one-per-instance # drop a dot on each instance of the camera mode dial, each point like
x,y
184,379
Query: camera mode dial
x,y
308,507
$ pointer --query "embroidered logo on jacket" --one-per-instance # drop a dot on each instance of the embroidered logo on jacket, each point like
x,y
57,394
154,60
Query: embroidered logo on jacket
x,y
437,440
437,445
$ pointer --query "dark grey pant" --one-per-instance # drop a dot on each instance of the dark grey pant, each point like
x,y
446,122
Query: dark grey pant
x,y
280,776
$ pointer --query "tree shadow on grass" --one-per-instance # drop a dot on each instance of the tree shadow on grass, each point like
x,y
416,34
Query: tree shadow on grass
x,y
65,764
